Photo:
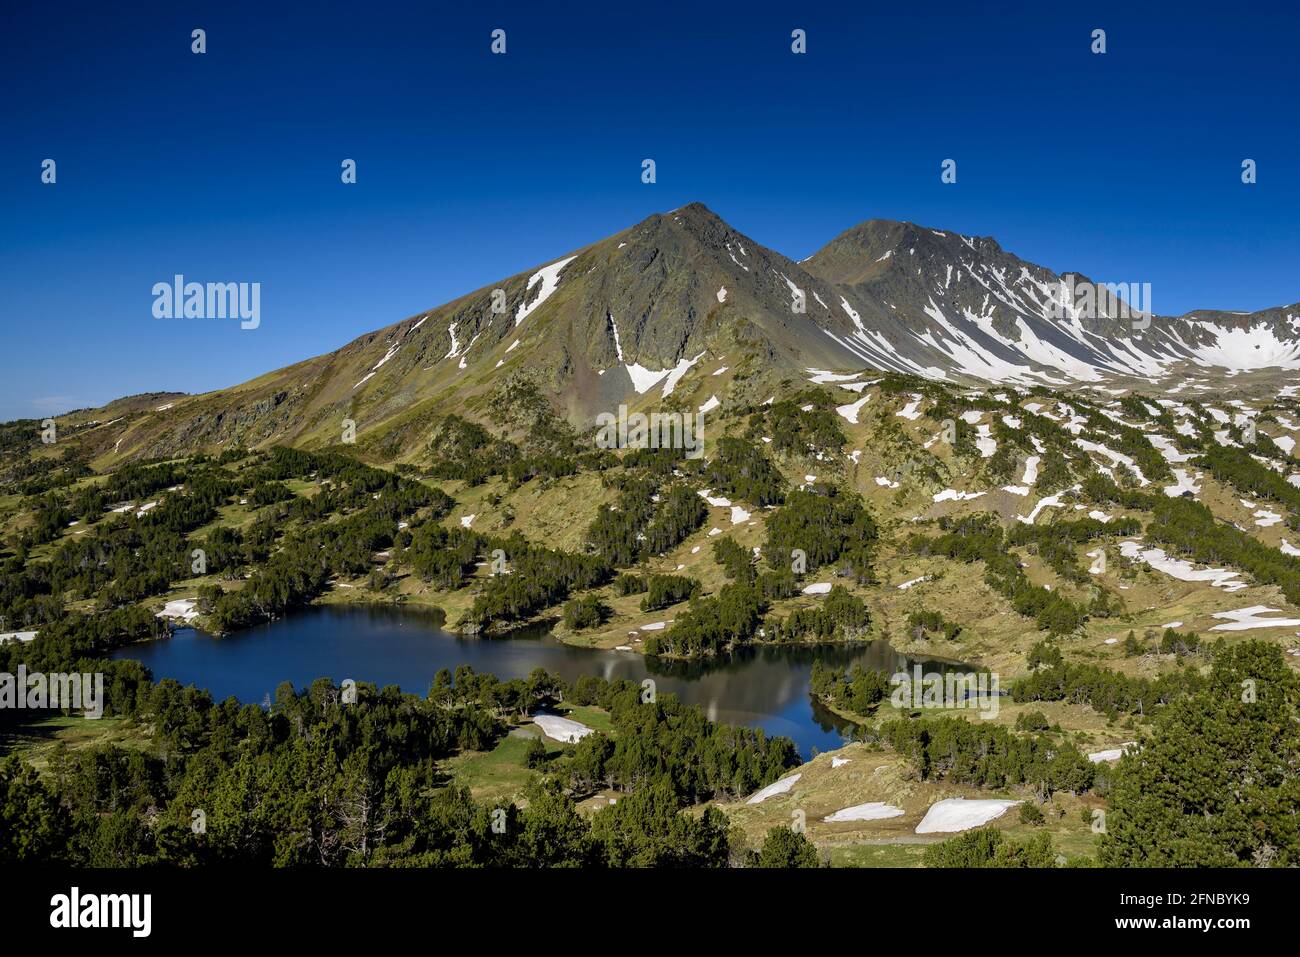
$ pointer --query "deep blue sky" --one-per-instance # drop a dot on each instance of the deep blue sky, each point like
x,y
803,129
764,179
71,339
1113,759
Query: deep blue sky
x,y
473,167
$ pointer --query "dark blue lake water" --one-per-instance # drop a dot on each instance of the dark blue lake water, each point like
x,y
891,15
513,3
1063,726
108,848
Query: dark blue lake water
x,y
765,687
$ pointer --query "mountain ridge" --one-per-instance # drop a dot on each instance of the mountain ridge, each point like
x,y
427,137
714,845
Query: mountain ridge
x,y
648,314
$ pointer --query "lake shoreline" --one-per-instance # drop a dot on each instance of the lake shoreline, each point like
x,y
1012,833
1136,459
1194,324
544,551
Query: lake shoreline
x,y
398,643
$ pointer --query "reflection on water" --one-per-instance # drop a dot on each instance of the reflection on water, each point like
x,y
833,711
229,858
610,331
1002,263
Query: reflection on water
x,y
764,687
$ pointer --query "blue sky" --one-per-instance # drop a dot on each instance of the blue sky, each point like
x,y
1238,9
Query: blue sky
x,y
472,167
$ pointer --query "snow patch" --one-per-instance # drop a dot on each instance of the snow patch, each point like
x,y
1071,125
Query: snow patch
x,y
549,279
909,411
775,788
561,729
182,608
959,814
873,811
1246,618
851,410
1110,754
1182,570
952,495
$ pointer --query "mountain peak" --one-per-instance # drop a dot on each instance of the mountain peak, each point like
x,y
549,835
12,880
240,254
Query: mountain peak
x,y
682,306
694,218
876,237
694,208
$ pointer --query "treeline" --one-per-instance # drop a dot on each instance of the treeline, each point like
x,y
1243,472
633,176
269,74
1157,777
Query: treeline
x,y
535,578
801,425
324,780
313,782
586,611
526,578
712,624
464,450
717,624
1106,691
1056,543
1127,440
309,556
75,643
545,445
1000,467
840,615
1237,468
989,847
1135,407
665,590
987,755
820,526
666,743
26,468
124,558
737,561
51,511
741,470
636,526
446,557
921,623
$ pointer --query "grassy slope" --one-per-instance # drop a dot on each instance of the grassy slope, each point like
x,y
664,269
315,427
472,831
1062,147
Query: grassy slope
x,y
35,741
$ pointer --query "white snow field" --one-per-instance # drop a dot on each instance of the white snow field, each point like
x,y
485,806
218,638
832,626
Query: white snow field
x,y
1110,754
850,411
952,495
959,814
549,278
182,608
773,789
561,729
1243,619
873,811
1182,570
